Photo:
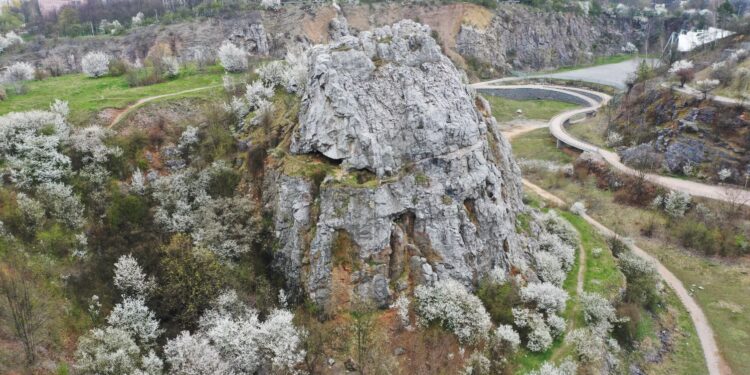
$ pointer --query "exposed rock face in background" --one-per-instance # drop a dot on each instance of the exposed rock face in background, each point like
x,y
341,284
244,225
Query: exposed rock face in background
x,y
521,38
513,37
443,189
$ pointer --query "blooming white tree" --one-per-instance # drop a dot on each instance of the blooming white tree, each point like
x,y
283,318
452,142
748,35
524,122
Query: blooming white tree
x,y
553,245
676,203
706,85
724,174
270,4
545,296
401,305
95,64
614,139
138,182
194,355
231,332
30,144
172,65
60,107
568,367
130,279
450,304
560,227
539,337
107,351
578,208
683,70
61,203
137,20
506,337
18,73
134,317
257,92
232,58
548,268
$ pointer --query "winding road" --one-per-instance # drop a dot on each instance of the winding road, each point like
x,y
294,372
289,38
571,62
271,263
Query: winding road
x,y
714,361
734,196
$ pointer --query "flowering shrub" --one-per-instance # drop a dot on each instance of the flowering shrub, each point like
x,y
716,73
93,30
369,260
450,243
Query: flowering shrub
x,y
545,296
676,204
232,58
548,268
506,337
724,174
61,203
30,144
130,279
598,312
133,317
450,304
614,139
270,4
560,227
539,337
401,305
17,73
95,64
568,367
578,208
683,70
137,20
107,351
564,253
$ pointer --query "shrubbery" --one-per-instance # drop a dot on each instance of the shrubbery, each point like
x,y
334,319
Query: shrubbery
x,y
95,64
449,304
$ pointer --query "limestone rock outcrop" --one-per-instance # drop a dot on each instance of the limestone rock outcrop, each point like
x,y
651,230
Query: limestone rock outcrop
x,y
436,193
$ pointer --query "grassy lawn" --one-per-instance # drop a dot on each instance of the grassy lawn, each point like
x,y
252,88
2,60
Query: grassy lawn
x,y
540,145
724,296
505,109
590,130
86,96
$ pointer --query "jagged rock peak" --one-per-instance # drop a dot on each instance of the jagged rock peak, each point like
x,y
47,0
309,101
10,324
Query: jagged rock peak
x,y
384,99
442,190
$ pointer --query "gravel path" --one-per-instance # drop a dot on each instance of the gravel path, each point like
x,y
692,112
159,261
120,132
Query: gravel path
x,y
715,362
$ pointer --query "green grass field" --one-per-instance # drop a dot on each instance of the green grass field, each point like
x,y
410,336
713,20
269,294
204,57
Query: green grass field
x,y
540,145
505,109
86,96
601,60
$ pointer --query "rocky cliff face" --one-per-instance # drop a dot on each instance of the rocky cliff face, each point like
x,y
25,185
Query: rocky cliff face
x,y
520,38
513,37
424,186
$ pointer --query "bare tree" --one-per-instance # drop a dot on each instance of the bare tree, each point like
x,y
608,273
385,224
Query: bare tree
x,y
23,308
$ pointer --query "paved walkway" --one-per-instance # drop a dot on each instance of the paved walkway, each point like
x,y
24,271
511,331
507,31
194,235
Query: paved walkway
x,y
714,361
732,195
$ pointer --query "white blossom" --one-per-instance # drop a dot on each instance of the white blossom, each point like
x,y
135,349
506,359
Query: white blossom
x,y
107,351
95,64
32,211
270,4
546,296
60,107
724,174
401,305
194,355
134,317
676,203
539,337
151,364
560,227
506,336
680,65
578,208
548,268
130,279
237,106
598,312
137,20
17,73
232,58
172,65
30,147
449,303
61,203
188,138
256,92
89,143
138,182
568,367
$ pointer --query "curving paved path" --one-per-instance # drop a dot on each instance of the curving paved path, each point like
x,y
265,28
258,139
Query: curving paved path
x,y
714,361
734,196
